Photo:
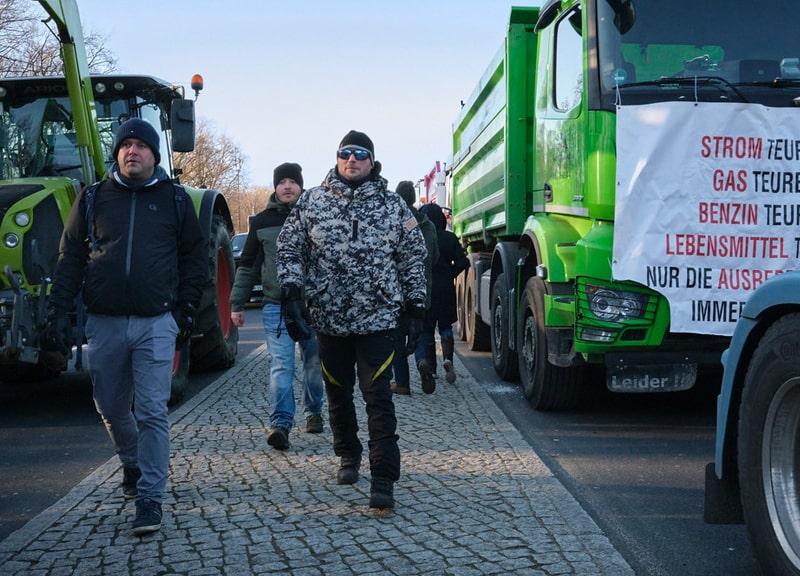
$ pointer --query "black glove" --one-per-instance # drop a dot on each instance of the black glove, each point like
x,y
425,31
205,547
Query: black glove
x,y
57,335
295,315
184,318
414,313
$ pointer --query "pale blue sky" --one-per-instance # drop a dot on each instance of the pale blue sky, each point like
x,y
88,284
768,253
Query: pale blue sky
x,y
286,80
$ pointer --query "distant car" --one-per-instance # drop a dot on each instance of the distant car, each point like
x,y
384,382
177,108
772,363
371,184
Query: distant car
x,y
237,246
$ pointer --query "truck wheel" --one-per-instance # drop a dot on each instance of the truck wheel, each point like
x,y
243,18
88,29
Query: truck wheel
x,y
476,332
546,387
180,373
504,358
216,349
769,451
461,329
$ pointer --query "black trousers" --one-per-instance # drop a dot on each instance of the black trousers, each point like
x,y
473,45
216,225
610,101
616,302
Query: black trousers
x,y
370,356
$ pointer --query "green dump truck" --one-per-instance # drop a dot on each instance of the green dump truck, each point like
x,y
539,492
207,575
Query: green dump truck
x,y
533,182
56,136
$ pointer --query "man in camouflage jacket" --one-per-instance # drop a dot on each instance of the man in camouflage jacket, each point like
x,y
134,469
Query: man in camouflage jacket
x,y
357,250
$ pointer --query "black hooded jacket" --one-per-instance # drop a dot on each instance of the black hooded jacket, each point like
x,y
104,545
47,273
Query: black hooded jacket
x,y
452,262
147,260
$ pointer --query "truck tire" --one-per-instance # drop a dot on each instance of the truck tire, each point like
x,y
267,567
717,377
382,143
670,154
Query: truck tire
x,y
546,387
503,357
769,431
180,373
216,349
461,329
475,331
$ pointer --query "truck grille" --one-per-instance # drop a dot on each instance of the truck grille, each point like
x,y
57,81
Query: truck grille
x,y
46,228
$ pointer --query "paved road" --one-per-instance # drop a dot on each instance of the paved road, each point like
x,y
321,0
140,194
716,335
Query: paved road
x,y
474,499
636,463
51,437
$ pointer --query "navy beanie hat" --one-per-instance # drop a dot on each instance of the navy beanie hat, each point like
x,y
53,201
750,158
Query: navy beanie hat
x,y
355,138
140,129
288,170
406,191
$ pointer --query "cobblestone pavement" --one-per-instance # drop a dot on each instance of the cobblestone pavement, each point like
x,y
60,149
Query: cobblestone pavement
x,y
473,498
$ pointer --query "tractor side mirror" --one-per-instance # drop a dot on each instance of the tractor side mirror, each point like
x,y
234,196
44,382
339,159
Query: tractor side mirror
x,y
182,124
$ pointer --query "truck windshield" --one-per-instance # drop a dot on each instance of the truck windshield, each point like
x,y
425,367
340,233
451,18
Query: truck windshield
x,y
37,136
738,50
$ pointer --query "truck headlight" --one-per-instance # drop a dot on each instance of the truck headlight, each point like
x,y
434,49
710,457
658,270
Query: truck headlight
x,y
22,219
615,305
11,240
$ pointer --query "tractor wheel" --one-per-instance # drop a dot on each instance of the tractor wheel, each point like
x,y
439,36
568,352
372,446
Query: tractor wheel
x,y
180,373
769,445
546,387
216,349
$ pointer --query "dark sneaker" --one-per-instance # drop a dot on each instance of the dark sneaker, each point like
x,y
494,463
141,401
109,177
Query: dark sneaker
x,y
278,438
426,375
348,470
148,517
314,424
130,476
381,493
402,390
449,371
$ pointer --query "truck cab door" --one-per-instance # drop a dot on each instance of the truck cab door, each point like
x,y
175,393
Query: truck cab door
x,y
560,127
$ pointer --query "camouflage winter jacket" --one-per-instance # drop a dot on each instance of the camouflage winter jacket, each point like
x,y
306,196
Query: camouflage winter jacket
x,y
359,253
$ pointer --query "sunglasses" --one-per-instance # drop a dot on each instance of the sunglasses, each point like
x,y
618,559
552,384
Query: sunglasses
x,y
359,153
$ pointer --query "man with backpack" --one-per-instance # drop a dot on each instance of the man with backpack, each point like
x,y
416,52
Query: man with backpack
x,y
134,246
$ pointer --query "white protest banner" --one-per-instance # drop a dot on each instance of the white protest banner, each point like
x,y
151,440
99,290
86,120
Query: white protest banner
x,y
707,205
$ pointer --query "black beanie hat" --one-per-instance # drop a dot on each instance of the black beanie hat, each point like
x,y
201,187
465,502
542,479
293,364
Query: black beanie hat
x,y
355,138
140,129
288,170
406,191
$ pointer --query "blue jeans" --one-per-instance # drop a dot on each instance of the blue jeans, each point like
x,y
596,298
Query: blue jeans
x,y
427,338
281,370
130,362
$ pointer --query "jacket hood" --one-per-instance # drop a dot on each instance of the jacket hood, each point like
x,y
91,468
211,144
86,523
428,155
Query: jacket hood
x,y
435,214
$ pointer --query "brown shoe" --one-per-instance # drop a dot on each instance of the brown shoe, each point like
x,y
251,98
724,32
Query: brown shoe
x,y
314,424
402,390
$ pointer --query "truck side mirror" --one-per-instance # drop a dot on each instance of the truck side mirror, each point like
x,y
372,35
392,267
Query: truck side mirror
x,y
182,123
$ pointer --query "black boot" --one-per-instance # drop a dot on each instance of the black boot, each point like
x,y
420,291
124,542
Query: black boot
x,y
130,476
381,493
447,352
348,470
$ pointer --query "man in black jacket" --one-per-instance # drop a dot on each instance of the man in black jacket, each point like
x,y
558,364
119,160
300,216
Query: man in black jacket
x,y
135,246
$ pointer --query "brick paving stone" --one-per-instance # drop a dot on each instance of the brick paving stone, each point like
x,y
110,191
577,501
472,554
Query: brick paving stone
x,y
473,498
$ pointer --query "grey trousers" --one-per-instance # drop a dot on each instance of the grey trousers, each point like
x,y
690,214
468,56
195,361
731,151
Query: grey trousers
x,y
130,362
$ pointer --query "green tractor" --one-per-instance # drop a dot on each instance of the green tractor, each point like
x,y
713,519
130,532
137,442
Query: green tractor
x,y
56,136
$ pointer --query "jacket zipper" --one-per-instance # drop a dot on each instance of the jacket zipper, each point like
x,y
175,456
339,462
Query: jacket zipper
x,y
130,237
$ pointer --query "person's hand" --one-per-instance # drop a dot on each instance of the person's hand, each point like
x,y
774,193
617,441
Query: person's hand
x,y
414,313
57,335
295,315
237,318
184,318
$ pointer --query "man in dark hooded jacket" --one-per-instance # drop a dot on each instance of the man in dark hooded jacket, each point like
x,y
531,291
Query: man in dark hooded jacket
x,y
142,266
402,381
442,313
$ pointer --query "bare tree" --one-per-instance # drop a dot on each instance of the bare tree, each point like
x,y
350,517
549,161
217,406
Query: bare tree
x,y
28,48
246,203
217,162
